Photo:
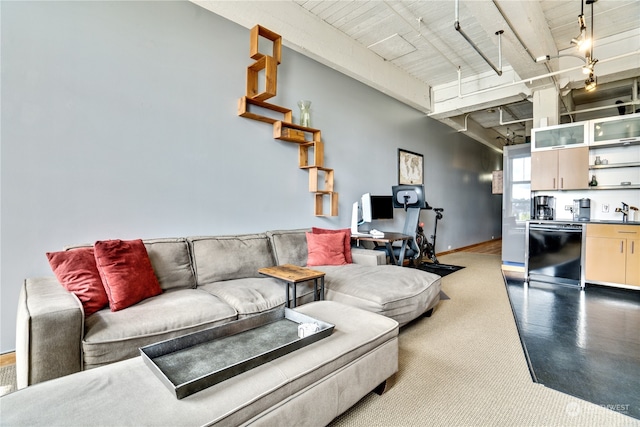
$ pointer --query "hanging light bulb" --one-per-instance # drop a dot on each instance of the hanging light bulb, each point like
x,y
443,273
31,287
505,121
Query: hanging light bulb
x,y
585,44
591,83
589,64
582,41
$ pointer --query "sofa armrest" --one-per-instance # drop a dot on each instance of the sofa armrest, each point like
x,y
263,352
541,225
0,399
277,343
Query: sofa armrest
x,y
49,331
368,256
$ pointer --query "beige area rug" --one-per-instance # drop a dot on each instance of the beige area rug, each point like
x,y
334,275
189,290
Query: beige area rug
x,y
465,366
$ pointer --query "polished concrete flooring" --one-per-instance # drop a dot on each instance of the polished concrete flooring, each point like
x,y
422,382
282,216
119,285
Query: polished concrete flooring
x,y
583,343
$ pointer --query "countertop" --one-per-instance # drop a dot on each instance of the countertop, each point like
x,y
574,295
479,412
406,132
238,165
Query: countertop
x,y
593,221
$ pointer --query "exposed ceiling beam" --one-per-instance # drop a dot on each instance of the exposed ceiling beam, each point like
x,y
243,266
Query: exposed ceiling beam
x,y
304,33
488,137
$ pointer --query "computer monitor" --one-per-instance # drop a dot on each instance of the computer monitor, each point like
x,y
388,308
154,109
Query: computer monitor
x,y
408,196
365,204
361,212
382,207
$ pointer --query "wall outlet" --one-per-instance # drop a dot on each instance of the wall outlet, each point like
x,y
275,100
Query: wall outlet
x,y
568,207
605,207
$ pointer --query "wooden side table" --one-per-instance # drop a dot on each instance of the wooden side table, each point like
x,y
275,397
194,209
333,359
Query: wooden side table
x,y
292,275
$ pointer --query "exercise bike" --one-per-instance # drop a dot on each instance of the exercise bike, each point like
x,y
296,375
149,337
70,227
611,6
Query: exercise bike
x,y
428,249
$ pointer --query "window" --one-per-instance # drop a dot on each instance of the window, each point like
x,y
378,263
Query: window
x,y
519,206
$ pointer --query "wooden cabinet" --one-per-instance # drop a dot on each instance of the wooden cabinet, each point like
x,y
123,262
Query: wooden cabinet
x,y
560,169
633,262
612,254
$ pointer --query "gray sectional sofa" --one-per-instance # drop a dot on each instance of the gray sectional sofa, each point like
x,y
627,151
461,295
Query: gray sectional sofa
x,y
206,281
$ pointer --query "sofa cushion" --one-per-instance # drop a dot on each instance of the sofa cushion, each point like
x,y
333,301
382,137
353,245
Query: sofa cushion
x,y
289,246
252,296
396,292
113,336
171,263
325,249
346,234
76,270
126,272
229,257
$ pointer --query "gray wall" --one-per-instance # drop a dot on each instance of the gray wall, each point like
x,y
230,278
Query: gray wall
x,y
119,121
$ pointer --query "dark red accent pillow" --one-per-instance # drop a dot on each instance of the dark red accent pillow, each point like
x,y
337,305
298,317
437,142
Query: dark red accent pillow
x,y
347,239
76,270
126,271
325,249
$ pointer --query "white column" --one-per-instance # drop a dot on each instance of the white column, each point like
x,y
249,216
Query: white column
x,y
546,111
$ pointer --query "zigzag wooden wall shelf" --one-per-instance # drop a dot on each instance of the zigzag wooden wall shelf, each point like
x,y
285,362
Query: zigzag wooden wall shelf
x,y
309,140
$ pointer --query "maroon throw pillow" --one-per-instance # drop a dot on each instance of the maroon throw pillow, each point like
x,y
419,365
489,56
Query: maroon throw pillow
x,y
126,271
76,270
325,249
347,239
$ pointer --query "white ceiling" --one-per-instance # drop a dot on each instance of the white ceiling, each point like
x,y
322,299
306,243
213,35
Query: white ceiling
x,y
411,50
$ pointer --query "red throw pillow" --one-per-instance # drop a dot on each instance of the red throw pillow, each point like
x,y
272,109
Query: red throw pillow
x,y
325,249
126,271
347,239
76,270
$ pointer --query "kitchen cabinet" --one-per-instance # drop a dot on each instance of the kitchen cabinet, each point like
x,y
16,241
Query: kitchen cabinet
x,y
612,254
560,169
616,130
560,136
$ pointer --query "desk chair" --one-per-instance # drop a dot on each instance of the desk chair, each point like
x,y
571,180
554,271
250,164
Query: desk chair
x,y
411,249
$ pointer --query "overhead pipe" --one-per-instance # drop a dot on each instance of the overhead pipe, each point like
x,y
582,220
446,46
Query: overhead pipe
x,y
604,107
515,33
466,116
634,101
513,121
458,28
532,79
522,43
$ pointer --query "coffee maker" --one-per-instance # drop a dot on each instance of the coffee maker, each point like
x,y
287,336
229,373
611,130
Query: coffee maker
x,y
582,209
544,207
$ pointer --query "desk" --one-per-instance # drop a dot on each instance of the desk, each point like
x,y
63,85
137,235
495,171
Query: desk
x,y
388,240
292,275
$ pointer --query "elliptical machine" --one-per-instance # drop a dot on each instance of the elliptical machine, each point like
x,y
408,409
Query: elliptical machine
x,y
428,249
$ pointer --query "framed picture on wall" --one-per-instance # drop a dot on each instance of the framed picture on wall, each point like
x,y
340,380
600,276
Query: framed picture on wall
x,y
410,168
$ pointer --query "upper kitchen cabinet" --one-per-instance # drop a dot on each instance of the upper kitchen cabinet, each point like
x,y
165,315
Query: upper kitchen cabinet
x,y
615,130
560,169
560,136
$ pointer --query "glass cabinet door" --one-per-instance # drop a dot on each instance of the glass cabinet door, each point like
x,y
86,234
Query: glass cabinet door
x,y
616,130
568,135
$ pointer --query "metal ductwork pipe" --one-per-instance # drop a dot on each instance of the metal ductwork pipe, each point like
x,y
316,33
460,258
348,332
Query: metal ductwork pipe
x,y
458,28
